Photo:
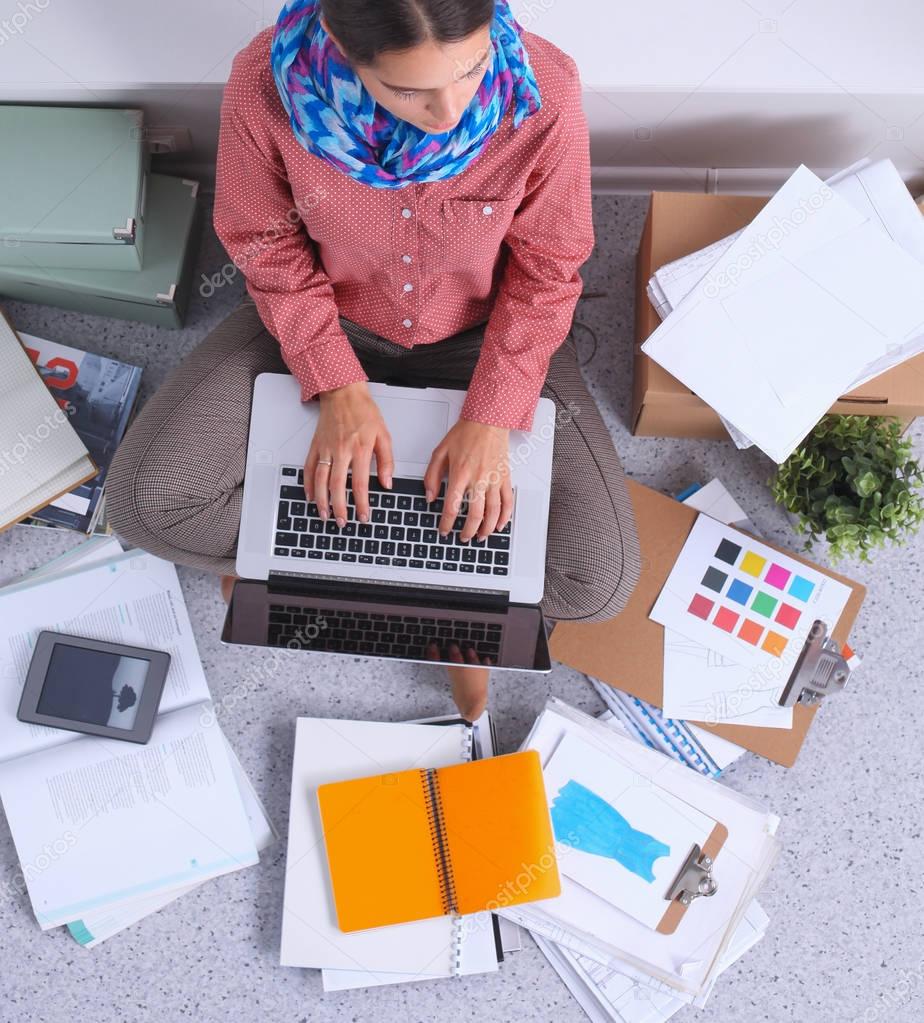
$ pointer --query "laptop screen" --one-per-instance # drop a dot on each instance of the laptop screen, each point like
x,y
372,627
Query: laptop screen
x,y
385,624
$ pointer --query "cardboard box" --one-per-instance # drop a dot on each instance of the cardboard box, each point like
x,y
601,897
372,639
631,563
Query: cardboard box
x,y
679,223
627,651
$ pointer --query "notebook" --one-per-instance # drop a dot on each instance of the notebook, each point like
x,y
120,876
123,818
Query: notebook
x,y
440,841
328,750
41,456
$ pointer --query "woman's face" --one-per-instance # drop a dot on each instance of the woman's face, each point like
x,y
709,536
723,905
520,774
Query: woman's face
x,y
432,84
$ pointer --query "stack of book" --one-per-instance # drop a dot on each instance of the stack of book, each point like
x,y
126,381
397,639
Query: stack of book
x,y
41,455
99,396
108,832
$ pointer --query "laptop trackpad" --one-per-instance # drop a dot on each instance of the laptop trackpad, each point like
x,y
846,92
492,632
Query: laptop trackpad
x,y
416,426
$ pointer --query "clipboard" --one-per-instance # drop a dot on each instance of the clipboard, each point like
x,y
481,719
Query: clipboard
x,y
627,652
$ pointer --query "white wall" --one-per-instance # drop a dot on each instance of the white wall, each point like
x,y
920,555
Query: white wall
x,y
725,93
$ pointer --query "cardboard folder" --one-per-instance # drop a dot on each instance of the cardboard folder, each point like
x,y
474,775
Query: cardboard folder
x,y
627,652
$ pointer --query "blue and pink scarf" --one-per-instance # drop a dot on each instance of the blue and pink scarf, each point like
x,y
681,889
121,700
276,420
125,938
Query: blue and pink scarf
x,y
335,117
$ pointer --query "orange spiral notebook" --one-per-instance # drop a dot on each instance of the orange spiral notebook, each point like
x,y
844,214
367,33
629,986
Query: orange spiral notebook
x,y
431,842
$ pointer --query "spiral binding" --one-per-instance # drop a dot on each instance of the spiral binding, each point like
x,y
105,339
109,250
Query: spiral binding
x,y
429,780
458,921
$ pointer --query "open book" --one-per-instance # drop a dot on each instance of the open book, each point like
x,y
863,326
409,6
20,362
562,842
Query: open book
x,y
107,831
41,456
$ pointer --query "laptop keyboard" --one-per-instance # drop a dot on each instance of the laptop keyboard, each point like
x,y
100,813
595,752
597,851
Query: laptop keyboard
x,y
382,635
402,531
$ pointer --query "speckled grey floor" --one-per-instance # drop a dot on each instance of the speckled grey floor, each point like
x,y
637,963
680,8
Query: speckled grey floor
x,y
846,939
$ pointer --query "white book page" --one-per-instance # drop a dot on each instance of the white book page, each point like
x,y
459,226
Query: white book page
x,y
100,821
95,927
134,599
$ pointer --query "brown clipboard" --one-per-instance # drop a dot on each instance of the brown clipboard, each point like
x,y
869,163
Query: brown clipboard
x,y
627,651
675,912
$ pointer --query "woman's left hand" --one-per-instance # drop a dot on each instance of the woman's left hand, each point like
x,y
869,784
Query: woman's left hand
x,y
474,457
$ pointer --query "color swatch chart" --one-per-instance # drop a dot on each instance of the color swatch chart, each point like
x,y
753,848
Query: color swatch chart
x,y
743,599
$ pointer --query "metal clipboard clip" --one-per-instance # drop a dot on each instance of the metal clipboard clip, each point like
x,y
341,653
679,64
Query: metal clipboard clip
x,y
820,670
695,879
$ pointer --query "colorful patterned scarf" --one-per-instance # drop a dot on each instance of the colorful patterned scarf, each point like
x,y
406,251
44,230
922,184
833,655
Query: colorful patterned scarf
x,y
334,116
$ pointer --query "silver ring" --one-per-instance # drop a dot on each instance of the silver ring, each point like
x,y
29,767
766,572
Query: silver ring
x,y
325,461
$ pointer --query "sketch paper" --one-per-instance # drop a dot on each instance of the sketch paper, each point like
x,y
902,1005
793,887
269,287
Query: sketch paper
x,y
745,601
628,839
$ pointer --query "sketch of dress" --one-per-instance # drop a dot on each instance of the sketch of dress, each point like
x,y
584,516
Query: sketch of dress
x,y
586,821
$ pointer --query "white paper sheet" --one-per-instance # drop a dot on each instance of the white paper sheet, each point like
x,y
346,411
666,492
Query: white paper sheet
x,y
701,345
328,750
125,821
630,852
608,994
876,191
134,599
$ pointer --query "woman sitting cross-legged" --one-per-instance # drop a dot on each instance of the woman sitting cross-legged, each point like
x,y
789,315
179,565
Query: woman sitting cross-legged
x,y
405,186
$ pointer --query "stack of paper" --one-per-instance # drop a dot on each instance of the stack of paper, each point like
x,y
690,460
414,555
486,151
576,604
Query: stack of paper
x,y
41,456
328,750
821,292
602,933
108,832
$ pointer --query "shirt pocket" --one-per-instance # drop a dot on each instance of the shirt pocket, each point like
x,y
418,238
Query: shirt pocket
x,y
473,230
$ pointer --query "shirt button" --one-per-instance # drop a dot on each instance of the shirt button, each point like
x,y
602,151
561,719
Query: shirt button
x,y
408,323
408,287
406,213
488,210
406,259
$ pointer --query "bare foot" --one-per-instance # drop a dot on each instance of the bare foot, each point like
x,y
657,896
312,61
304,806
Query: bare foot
x,y
470,690
227,585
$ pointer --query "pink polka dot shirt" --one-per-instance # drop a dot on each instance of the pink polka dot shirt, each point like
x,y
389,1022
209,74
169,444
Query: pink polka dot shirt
x,y
500,243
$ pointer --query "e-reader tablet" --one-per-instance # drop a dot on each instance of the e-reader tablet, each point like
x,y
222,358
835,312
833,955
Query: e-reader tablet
x,y
91,686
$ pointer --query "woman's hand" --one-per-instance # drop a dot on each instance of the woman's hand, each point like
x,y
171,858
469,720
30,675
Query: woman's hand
x,y
350,430
475,459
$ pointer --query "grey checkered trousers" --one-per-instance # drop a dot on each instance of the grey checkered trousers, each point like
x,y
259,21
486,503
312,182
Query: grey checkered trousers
x,y
175,485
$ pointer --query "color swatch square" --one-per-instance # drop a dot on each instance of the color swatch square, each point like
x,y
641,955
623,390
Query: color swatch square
x,y
728,552
725,619
753,564
788,616
750,632
739,592
701,607
801,588
774,644
714,579
777,576
764,604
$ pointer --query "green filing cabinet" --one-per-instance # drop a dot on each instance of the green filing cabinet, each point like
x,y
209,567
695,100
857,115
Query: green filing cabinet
x,y
72,187
157,294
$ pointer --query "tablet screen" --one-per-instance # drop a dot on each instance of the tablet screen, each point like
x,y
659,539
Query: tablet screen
x,y
93,686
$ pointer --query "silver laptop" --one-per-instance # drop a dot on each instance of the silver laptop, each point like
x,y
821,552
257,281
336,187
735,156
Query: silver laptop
x,y
392,587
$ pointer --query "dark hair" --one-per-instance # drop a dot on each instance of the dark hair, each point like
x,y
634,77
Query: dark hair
x,y
366,28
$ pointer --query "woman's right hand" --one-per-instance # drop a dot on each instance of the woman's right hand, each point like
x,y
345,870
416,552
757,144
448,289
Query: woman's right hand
x,y
350,430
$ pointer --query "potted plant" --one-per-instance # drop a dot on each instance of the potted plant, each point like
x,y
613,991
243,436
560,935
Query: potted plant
x,y
853,482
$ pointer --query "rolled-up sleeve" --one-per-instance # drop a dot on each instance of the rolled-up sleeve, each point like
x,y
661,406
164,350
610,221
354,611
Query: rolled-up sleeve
x,y
550,238
256,217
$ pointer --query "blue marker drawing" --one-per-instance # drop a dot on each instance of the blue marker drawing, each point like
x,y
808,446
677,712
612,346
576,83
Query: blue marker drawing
x,y
586,821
